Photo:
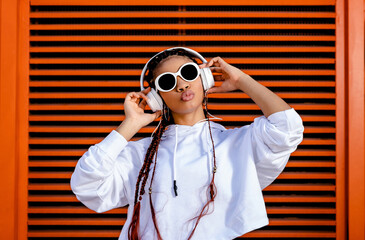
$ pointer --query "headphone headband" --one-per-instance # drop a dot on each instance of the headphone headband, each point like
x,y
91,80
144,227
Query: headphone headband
x,y
191,51
154,100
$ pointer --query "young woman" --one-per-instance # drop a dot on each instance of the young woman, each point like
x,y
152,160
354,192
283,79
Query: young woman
x,y
193,179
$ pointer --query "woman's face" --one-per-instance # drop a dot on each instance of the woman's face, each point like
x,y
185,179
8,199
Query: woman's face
x,y
186,97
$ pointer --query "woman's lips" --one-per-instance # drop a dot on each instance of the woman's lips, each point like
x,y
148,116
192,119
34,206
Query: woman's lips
x,y
187,95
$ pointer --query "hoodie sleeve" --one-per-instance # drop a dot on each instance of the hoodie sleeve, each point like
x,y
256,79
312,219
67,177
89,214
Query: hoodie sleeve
x,y
273,140
104,175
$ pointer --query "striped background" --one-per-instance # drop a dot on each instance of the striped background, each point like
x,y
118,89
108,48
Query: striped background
x,y
85,58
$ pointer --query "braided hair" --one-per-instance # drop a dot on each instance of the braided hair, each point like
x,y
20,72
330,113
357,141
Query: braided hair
x,y
151,155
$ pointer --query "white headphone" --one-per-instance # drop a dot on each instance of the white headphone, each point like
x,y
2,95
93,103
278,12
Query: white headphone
x,y
154,100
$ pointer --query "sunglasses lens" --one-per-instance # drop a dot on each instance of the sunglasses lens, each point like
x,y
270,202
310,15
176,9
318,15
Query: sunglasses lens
x,y
166,82
189,72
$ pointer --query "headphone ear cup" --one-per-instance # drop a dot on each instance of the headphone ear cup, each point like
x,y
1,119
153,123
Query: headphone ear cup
x,y
207,78
154,100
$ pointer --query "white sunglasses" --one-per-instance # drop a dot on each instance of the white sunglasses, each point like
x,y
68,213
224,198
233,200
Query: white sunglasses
x,y
167,81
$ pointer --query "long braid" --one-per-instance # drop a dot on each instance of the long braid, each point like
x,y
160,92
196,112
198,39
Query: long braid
x,y
213,188
151,205
142,177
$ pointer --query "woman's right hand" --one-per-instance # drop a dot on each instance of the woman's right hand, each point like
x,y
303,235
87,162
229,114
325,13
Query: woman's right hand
x,y
135,115
134,108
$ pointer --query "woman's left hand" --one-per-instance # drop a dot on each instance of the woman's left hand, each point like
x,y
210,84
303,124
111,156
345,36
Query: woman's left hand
x,y
233,79
227,73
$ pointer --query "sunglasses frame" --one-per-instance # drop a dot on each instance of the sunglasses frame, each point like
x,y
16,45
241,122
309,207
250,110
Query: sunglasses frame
x,y
178,73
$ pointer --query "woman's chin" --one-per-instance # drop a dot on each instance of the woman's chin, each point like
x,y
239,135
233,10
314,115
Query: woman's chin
x,y
188,108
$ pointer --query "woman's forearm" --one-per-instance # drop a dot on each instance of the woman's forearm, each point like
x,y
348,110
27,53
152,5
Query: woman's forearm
x,y
268,101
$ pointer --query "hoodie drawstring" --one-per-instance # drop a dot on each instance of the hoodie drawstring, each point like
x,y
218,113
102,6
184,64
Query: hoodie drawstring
x,y
173,164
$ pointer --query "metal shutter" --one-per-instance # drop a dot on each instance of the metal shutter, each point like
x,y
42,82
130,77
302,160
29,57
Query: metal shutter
x,y
85,58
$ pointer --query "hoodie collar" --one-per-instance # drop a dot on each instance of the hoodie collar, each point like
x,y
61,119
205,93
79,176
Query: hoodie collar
x,y
186,129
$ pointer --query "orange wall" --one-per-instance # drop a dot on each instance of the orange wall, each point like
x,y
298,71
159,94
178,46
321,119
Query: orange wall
x,y
7,118
13,118
14,72
355,77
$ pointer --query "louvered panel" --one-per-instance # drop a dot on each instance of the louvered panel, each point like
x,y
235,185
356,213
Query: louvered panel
x,y
178,26
168,39
141,60
182,14
231,4
84,59
208,49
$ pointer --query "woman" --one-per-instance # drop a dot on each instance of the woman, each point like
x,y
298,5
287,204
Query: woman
x,y
194,179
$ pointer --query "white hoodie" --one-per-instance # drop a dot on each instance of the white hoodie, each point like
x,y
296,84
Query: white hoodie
x,y
248,158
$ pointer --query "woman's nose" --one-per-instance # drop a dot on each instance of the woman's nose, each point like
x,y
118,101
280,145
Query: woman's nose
x,y
182,85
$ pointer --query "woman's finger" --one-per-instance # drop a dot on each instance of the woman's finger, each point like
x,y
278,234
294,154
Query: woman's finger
x,y
203,65
147,90
153,116
131,97
143,104
211,62
216,61
216,69
141,95
218,77
214,90
157,114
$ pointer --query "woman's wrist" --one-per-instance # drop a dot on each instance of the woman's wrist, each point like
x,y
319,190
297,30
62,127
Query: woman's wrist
x,y
244,81
128,128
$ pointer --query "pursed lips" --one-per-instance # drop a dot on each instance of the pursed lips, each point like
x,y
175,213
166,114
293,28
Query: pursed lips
x,y
187,95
